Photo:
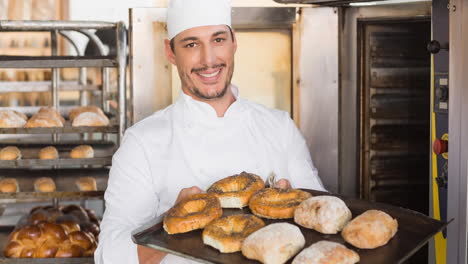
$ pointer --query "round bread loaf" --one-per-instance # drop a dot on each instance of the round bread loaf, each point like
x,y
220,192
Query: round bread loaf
x,y
276,203
10,153
226,234
51,111
325,214
82,152
46,117
273,244
44,184
371,229
235,191
86,184
10,118
82,109
90,119
48,153
9,185
326,252
192,213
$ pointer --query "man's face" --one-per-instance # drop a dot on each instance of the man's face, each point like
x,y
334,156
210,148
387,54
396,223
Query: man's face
x,y
204,57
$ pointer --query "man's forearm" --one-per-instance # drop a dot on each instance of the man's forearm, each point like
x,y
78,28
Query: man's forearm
x,y
148,255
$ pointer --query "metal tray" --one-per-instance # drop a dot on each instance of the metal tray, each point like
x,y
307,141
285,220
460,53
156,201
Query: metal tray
x,y
35,163
414,231
67,128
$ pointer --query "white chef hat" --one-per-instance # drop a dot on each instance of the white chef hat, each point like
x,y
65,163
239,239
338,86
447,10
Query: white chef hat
x,y
186,14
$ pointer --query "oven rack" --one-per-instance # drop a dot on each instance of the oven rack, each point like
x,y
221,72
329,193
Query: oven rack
x,y
35,163
66,129
45,86
26,197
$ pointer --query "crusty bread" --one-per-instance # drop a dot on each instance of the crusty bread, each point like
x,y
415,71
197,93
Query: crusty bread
x,y
44,184
46,117
226,234
82,152
90,119
326,252
9,185
10,153
273,244
48,153
51,111
235,191
370,230
82,109
325,214
10,118
86,184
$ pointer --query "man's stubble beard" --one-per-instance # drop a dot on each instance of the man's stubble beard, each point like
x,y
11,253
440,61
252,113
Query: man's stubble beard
x,y
199,94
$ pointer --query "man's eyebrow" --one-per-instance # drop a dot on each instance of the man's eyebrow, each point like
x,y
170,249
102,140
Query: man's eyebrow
x,y
188,39
219,33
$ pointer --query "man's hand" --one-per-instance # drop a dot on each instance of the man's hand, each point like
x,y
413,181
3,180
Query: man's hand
x,y
283,184
186,192
148,255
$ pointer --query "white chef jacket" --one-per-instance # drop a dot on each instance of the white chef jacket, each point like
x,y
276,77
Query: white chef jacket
x,y
186,145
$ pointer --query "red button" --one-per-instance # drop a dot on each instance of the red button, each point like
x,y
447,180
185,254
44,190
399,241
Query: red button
x,y
440,146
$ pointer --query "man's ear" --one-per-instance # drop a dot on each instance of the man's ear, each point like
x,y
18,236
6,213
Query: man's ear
x,y
169,53
234,39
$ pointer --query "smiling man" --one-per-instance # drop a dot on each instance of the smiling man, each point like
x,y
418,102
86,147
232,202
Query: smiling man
x,y
209,133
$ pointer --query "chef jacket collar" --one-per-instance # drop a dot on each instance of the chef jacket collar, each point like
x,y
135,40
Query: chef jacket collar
x,y
197,111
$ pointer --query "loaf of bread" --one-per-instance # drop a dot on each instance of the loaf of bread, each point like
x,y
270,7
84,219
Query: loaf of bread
x,y
44,184
9,185
86,184
10,153
83,109
10,118
326,252
370,230
325,214
46,117
273,244
82,152
48,153
90,119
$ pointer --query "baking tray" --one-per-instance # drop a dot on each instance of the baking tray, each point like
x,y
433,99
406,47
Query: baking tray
x,y
414,231
6,230
34,163
67,128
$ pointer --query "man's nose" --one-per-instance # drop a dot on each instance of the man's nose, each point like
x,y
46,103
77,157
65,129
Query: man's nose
x,y
208,56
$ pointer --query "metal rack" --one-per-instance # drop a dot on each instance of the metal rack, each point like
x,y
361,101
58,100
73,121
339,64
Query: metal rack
x,y
64,170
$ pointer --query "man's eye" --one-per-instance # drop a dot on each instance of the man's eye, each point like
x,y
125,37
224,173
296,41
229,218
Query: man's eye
x,y
190,45
219,40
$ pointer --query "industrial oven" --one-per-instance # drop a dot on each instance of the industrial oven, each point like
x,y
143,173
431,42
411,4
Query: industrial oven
x,y
108,93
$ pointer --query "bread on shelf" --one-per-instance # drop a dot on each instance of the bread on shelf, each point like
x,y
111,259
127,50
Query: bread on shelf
x,y
49,152
82,152
88,116
10,118
10,153
46,117
9,185
44,184
86,184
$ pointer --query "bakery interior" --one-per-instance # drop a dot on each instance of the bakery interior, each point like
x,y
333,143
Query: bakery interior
x,y
366,82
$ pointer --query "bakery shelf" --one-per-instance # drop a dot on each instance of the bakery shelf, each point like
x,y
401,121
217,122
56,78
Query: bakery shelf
x,y
35,163
67,128
43,62
40,196
45,86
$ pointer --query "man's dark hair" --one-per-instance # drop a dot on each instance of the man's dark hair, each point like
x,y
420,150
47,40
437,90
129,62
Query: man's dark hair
x,y
172,40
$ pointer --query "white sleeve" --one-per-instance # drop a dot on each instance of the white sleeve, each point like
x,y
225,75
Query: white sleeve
x,y
301,170
130,200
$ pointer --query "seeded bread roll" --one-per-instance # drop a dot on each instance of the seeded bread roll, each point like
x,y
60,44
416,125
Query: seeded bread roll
x,y
326,252
10,118
10,153
48,153
86,184
9,185
370,230
44,184
82,152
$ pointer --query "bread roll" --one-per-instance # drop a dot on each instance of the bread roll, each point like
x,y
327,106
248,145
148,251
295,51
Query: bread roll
x,y
10,153
9,185
10,118
82,109
44,184
48,153
325,214
50,111
90,119
82,152
273,244
46,117
86,184
326,252
370,230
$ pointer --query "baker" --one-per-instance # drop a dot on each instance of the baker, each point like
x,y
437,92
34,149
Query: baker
x,y
209,133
